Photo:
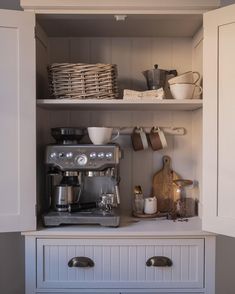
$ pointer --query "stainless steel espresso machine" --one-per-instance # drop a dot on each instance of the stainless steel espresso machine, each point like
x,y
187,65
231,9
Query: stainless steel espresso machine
x,y
83,181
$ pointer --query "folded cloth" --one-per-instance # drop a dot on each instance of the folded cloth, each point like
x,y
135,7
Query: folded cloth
x,y
131,94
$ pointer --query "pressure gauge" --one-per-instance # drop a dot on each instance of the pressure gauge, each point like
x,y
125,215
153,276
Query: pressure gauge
x,y
82,159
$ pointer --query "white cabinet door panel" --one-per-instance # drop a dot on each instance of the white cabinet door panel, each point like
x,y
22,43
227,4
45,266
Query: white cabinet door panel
x,y
17,121
219,121
226,121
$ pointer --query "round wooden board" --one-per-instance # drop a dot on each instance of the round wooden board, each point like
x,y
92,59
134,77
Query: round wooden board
x,y
154,215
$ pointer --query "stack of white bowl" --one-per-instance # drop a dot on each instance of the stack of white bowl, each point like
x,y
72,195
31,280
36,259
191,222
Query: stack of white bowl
x,y
185,86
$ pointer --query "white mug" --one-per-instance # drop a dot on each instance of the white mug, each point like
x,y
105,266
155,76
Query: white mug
x,y
101,135
150,205
185,91
189,77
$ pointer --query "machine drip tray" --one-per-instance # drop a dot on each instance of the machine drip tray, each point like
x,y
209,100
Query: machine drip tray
x,y
106,219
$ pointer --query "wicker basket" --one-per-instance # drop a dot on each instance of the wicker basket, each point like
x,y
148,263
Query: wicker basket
x,y
83,81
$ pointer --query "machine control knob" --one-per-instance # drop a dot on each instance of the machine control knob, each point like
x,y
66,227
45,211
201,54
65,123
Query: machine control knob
x,y
109,155
61,155
82,159
101,155
93,155
69,155
53,155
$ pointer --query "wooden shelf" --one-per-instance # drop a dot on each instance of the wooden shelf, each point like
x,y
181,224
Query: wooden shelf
x,y
119,104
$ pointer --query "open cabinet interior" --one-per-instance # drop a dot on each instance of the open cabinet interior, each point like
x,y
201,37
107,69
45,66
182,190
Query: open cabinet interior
x,y
135,45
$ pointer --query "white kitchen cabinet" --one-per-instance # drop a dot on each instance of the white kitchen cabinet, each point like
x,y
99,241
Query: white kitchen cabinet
x,y
218,157
173,43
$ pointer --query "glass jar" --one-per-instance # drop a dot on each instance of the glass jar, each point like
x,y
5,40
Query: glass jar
x,y
185,205
138,201
138,204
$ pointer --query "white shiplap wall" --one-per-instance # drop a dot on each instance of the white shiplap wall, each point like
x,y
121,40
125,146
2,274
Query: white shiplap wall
x,y
137,168
132,55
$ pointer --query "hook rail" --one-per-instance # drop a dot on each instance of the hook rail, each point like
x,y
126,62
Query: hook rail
x,y
168,130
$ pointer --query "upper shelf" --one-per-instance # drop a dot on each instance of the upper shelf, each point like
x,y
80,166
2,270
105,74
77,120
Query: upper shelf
x,y
119,104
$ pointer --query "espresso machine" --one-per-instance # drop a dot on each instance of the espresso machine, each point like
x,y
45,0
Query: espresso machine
x,y
83,181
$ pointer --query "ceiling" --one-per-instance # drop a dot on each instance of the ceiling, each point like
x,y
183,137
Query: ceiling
x,y
59,25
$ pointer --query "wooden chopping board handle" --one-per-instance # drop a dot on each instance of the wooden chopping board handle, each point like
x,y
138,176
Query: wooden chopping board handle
x,y
166,162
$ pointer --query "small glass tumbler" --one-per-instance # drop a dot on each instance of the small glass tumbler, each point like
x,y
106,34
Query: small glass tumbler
x,y
138,204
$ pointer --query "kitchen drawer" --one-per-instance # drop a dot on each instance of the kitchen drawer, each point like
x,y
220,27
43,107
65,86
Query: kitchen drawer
x,y
113,292
120,263
88,292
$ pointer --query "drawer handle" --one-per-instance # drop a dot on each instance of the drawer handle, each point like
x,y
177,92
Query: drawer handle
x,y
159,261
81,261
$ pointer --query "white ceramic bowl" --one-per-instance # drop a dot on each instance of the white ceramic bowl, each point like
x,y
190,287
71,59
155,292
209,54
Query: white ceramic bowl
x,y
185,91
189,77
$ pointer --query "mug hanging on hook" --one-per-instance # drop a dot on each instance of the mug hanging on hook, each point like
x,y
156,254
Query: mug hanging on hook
x,y
157,139
139,139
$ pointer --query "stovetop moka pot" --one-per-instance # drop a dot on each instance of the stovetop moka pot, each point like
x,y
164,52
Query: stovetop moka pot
x,y
156,78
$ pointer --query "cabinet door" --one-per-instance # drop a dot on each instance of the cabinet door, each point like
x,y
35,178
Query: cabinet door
x,y
219,121
17,121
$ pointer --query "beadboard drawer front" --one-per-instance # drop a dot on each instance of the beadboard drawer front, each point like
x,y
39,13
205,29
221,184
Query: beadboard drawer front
x,y
113,292
120,263
93,292
152,291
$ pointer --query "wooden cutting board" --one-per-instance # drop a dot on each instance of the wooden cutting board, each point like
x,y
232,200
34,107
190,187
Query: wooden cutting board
x,y
163,187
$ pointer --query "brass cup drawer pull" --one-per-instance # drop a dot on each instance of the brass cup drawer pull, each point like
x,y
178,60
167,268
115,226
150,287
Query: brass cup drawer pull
x,y
159,261
81,261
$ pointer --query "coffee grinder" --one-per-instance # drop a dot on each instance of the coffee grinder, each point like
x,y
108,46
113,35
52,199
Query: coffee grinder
x,y
83,181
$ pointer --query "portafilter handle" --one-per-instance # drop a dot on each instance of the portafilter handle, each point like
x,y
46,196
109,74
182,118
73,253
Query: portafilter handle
x,y
116,189
76,207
